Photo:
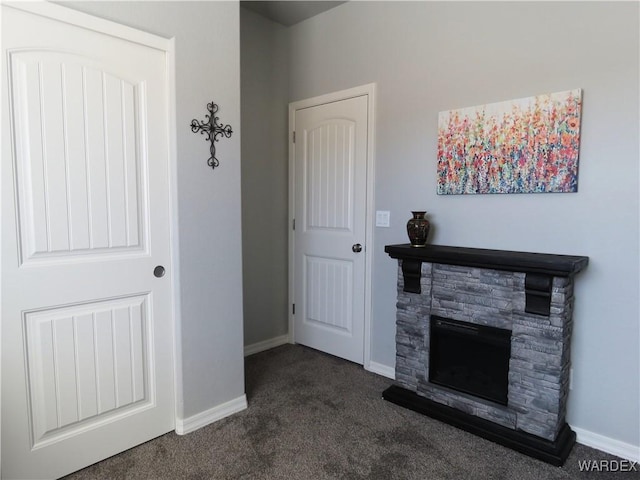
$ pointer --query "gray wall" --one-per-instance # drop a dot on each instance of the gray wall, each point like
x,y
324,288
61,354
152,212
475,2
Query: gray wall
x,y
207,69
431,56
264,91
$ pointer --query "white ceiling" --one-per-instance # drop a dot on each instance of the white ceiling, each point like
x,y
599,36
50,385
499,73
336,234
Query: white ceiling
x,y
289,12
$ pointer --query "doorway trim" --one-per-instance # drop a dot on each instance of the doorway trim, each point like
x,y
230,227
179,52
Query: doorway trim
x,y
166,45
368,90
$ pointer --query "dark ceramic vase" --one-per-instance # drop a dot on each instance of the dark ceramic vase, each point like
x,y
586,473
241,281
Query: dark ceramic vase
x,y
418,229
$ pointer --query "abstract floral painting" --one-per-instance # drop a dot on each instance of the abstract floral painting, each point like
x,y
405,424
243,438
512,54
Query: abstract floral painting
x,y
529,145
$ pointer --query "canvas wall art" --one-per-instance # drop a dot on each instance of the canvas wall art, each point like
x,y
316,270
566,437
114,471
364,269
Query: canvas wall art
x,y
529,145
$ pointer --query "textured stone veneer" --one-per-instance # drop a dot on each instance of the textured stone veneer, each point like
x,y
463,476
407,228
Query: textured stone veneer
x,y
539,365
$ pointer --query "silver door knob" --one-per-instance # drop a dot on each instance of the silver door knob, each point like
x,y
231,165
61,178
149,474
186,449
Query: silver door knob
x,y
356,248
159,271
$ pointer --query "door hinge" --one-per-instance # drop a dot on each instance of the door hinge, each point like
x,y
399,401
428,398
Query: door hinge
x,y
293,309
293,224
294,137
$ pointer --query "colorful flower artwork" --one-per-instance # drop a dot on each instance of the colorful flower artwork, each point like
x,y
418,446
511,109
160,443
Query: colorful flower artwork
x,y
528,145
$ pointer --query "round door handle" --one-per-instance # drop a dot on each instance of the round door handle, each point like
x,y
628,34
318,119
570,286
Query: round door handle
x,y
159,271
356,248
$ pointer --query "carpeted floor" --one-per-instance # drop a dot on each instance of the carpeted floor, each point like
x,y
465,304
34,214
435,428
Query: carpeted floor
x,y
314,416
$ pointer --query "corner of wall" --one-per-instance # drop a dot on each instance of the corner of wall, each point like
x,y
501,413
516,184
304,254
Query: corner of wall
x,y
200,420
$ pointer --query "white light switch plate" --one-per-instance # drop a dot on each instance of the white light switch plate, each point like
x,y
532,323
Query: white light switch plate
x,y
382,218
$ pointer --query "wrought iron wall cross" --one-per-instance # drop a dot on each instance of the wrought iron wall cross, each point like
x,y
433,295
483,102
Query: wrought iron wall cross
x,y
213,130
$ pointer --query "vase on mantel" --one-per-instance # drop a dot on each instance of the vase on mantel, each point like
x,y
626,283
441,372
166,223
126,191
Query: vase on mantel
x,y
418,229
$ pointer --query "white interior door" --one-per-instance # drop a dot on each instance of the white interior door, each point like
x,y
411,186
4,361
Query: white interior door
x,y
87,334
330,222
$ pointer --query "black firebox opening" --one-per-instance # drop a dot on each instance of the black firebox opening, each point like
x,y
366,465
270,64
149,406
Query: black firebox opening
x,y
470,358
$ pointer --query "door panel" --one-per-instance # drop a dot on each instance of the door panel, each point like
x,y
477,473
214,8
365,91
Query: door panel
x,y
85,362
329,176
77,161
329,296
87,334
330,163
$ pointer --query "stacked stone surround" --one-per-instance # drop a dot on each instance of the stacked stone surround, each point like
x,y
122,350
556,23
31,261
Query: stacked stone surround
x,y
540,357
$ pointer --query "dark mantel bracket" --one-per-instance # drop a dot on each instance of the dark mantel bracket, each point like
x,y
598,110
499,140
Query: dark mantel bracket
x,y
411,272
540,268
537,293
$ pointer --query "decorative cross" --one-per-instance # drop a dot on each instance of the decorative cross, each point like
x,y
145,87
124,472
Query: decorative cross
x,y
213,130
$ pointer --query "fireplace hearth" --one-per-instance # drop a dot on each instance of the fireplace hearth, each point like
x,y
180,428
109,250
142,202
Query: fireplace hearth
x,y
483,343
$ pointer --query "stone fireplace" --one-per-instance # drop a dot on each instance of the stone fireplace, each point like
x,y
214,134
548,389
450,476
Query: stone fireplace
x,y
483,342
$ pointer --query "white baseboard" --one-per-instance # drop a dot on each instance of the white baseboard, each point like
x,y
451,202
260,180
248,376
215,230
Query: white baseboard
x,y
606,444
214,414
266,345
380,369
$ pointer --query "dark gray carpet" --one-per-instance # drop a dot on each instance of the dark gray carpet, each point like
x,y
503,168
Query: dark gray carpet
x,y
314,416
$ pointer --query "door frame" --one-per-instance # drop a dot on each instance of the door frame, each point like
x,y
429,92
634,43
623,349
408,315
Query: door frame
x,y
166,45
369,91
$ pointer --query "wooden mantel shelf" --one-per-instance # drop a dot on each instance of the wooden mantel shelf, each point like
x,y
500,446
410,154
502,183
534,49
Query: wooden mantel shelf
x,y
526,262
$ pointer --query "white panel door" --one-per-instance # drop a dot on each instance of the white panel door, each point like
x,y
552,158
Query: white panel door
x,y
330,221
87,335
